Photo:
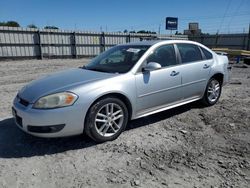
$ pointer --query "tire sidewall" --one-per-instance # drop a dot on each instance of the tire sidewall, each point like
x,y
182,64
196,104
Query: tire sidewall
x,y
209,103
90,121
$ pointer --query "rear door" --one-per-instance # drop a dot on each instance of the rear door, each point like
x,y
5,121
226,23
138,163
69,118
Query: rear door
x,y
195,70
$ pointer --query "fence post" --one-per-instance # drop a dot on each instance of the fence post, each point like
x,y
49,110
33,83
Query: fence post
x,y
74,54
216,40
202,39
40,44
102,42
244,44
128,38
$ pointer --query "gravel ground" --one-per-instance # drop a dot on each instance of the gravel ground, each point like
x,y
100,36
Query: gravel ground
x,y
188,146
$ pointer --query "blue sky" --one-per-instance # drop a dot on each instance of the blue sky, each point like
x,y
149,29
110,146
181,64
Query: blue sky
x,y
118,15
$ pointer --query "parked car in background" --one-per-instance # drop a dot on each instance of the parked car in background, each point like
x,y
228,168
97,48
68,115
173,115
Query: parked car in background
x,y
221,53
128,81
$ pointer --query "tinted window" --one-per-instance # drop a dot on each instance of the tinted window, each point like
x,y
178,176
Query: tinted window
x,y
164,55
189,53
207,54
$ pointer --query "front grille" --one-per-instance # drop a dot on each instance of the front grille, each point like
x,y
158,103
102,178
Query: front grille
x,y
22,101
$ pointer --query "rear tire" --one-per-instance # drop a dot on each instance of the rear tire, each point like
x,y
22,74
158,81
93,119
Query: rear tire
x,y
212,92
106,119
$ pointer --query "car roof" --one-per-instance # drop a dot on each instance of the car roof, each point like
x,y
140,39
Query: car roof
x,y
144,43
168,41
153,42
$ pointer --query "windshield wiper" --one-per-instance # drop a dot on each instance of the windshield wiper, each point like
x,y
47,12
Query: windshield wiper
x,y
95,69
83,67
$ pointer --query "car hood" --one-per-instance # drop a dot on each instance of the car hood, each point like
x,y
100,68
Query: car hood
x,y
59,82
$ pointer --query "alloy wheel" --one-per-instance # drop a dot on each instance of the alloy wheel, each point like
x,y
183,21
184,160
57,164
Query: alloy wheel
x,y
213,91
109,119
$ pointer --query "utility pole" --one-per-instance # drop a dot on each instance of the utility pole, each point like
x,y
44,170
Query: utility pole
x,y
159,29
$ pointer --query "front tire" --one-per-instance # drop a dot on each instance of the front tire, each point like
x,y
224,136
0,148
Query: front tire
x,y
106,119
212,93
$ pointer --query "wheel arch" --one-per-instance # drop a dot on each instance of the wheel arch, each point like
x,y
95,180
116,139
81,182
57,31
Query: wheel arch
x,y
117,95
219,76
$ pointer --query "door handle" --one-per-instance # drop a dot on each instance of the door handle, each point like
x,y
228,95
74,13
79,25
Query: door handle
x,y
206,66
174,73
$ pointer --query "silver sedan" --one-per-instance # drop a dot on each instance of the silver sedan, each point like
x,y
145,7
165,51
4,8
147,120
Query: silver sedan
x,y
126,82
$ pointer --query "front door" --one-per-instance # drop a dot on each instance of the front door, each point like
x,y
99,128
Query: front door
x,y
161,87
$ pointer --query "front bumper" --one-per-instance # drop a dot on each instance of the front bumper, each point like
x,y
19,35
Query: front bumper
x,y
58,122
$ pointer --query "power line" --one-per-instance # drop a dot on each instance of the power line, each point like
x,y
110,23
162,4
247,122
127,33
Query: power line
x,y
222,21
185,19
235,13
215,16
205,21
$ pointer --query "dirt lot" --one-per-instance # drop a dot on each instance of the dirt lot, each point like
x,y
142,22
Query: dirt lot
x,y
189,146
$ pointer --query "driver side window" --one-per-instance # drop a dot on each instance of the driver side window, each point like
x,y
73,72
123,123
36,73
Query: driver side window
x,y
164,55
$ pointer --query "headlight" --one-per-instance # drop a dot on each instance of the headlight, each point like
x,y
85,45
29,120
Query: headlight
x,y
56,100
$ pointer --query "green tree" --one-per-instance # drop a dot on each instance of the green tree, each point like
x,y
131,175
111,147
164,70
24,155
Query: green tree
x,y
50,27
147,32
10,24
32,26
177,33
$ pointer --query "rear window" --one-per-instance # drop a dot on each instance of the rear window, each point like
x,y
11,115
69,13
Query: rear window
x,y
207,54
189,53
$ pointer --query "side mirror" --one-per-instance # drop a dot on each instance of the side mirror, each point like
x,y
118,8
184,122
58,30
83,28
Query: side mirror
x,y
151,66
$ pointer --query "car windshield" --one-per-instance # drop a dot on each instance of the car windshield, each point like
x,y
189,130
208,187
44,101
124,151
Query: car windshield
x,y
119,59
